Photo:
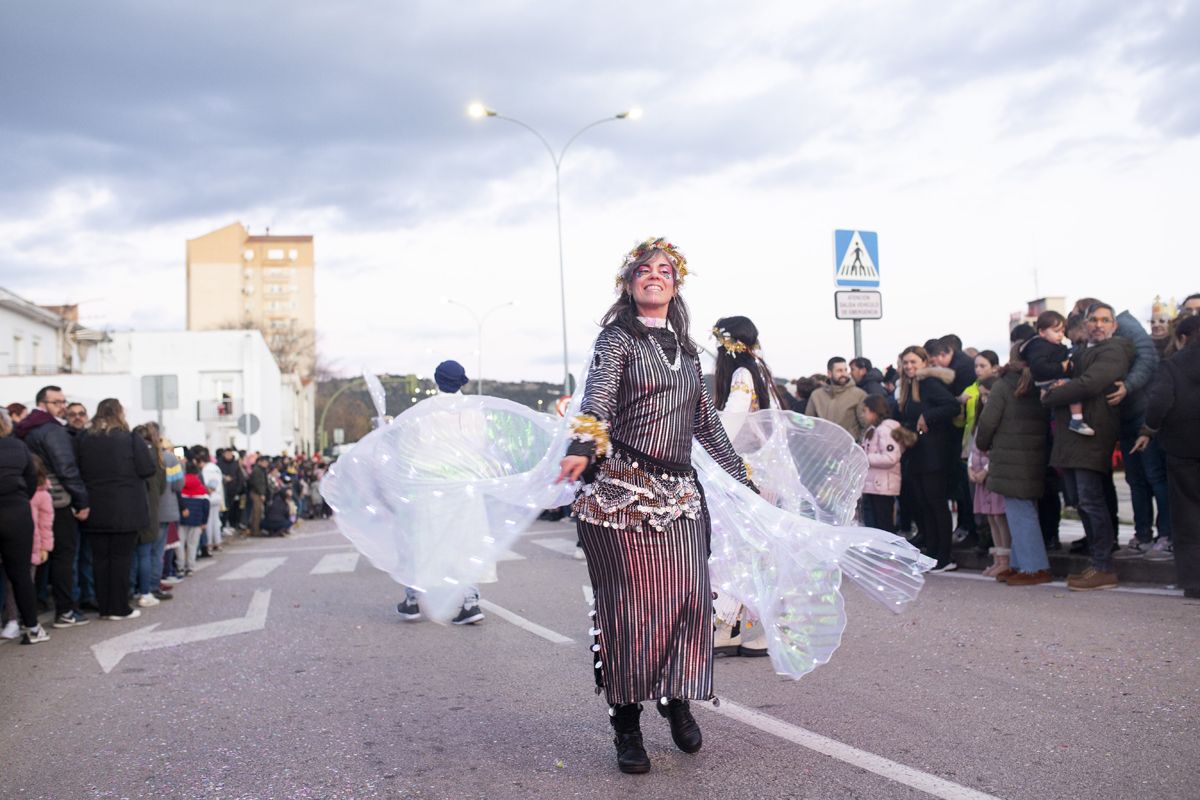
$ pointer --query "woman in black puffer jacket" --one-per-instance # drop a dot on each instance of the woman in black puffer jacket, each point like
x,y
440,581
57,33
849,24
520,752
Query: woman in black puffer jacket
x,y
18,482
114,465
928,408
1013,430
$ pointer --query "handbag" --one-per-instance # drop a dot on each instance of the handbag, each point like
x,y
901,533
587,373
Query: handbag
x,y
59,496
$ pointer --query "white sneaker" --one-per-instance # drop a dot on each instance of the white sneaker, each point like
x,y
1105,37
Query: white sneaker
x,y
948,567
35,635
134,614
579,554
11,631
147,600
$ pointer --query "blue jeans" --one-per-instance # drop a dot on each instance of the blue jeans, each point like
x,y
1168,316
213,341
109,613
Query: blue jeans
x,y
157,548
1146,474
85,583
1088,487
1028,546
141,569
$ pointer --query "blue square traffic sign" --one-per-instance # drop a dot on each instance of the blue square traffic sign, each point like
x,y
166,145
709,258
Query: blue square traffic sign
x,y
855,258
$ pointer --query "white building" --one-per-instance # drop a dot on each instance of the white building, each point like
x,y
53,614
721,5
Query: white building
x,y
41,341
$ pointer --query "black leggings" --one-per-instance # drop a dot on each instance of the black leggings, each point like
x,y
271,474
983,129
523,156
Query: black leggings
x,y
880,511
932,496
16,548
111,554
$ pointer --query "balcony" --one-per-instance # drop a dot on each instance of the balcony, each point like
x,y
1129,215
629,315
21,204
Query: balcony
x,y
218,410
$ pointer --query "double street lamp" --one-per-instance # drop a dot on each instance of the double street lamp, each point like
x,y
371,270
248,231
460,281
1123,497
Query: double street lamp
x,y
479,320
480,111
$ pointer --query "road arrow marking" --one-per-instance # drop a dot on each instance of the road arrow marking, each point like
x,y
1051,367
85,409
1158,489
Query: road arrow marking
x,y
336,562
110,652
254,568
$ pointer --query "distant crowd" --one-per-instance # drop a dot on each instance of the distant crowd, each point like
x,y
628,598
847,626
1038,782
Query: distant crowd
x,y
96,516
1007,442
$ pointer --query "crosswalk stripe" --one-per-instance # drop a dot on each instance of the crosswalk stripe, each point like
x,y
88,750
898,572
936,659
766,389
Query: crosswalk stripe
x,y
509,555
336,562
254,568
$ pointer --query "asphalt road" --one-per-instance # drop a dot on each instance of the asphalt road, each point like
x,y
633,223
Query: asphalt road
x,y
281,670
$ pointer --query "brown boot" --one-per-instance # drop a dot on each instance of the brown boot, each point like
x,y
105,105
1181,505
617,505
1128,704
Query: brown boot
x,y
1029,578
1091,580
1005,574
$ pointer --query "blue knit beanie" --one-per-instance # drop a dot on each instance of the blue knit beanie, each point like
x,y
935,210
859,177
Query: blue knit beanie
x,y
450,376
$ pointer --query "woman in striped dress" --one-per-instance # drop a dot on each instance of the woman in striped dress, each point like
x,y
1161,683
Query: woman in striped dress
x,y
641,513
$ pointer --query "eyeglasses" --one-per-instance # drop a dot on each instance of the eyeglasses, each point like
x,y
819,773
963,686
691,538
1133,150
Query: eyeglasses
x,y
56,402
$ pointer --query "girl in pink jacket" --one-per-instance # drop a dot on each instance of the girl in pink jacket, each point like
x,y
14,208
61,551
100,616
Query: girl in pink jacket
x,y
882,440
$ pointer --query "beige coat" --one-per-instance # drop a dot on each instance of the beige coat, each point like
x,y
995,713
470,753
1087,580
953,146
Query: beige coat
x,y
839,405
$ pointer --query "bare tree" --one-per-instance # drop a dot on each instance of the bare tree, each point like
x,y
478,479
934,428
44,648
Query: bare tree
x,y
294,348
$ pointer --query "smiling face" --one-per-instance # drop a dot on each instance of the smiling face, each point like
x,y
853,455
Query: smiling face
x,y
910,364
652,285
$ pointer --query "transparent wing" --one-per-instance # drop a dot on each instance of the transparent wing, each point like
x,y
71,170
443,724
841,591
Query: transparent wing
x,y
438,496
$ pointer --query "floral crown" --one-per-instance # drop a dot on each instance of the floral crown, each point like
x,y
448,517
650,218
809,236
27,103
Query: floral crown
x,y
676,258
732,346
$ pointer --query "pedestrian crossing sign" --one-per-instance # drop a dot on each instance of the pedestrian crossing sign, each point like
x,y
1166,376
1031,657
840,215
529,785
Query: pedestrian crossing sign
x,y
855,258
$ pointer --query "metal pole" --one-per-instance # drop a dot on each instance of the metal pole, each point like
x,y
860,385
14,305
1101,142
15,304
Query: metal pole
x,y
562,276
858,338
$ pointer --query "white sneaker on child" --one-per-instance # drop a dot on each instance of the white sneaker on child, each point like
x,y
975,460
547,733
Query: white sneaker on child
x,y
11,631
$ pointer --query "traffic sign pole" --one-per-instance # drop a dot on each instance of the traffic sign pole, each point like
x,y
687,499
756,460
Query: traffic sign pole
x,y
856,264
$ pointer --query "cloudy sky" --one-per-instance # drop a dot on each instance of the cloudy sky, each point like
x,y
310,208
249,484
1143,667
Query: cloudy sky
x,y
1002,150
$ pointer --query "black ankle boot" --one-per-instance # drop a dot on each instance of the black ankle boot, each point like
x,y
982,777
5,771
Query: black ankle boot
x,y
631,755
684,729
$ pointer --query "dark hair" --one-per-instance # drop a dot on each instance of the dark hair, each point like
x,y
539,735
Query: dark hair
x,y
15,408
149,432
1021,332
1185,300
860,363
741,329
911,387
1081,305
939,346
1189,327
835,360
1075,321
1094,307
200,453
45,390
878,405
991,356
623,313
929,345
1050,319
952,340
1016,364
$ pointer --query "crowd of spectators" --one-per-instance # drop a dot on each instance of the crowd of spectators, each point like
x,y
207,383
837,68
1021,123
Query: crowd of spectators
x,y
1006,443
98,516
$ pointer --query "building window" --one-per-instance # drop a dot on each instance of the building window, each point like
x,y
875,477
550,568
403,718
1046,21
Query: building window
x,y
293,254
275,254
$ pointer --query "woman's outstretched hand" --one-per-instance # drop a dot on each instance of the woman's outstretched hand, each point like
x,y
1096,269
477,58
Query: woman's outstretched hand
x,y
572,468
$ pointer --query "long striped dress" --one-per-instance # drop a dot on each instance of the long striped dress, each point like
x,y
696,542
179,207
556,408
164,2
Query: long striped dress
x,y
642,519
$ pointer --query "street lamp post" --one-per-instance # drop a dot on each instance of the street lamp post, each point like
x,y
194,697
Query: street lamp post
x,y
479,320
478,111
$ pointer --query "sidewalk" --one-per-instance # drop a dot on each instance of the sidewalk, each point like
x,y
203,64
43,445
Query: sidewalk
x,y
1070,530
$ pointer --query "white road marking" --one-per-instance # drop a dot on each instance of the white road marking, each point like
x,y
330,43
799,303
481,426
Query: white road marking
x,y
558,544
254,568
521,622
252,551
110,652
886,768
975,576
509,555
588,596
336,562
